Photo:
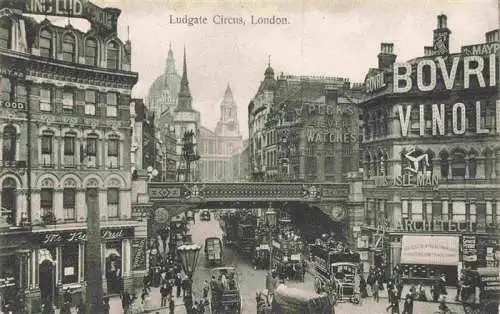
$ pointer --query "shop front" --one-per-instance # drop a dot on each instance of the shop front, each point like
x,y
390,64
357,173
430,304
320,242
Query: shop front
x,y
59,263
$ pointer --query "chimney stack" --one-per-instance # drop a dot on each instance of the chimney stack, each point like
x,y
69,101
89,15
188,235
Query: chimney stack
x,y
493,36
441,42
386,57
428,51
332,95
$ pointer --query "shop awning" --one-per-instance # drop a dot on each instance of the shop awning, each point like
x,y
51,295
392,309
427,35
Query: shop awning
x,y
430,250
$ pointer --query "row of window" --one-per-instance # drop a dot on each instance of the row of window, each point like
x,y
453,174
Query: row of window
x,y
47,39
422,210
18,93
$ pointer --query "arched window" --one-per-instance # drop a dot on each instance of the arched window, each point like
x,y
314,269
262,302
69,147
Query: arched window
x,y
5,33
113,202
9,144
91,52
112,55
45,44
488,163
47,140
69,150
69,202
113,152
91,150
444,164
47,201
458,164
68,48
9,201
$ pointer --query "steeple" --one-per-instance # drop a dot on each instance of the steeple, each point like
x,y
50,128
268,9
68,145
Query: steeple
x,y
170,69
185,99
228,95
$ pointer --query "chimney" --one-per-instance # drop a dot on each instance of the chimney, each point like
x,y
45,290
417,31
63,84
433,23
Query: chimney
x,y
386,57
492,36
441,42
428,51
332,95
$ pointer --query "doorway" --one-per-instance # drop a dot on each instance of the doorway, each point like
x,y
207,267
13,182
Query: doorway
x,y
46,275
113,271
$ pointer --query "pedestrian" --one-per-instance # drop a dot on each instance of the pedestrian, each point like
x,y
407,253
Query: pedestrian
x,y
125,301
206,289
82,307
375,291
399,288
408,305
186,286
362,286
65,308
105,308
178,283
164,294
171,305
394,306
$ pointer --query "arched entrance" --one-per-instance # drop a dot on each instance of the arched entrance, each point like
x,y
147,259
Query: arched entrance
x,y
46,275
9,201
113,270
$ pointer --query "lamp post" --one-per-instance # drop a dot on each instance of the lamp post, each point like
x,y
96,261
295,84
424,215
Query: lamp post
x,y
188,254
188,151
270,218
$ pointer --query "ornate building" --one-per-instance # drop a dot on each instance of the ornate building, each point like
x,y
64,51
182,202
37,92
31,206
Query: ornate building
x,y
217,148
430,130
164,91
65,123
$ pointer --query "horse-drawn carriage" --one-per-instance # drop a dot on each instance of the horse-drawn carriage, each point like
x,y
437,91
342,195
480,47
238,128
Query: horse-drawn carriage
x,y
480,292
225,294
262,257
292,268
337,273
213,252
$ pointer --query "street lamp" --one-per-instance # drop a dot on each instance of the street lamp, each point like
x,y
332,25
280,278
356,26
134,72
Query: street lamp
x,y
270,219
188,254
188,152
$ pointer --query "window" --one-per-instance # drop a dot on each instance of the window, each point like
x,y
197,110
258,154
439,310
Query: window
x,y
90,102
459,211
91,151
68,101
90,52
416,210
68,48
458,165
6,89
112,55
21,94
69,200
444,165
113,202
5,26
69,261
9,200
45,44
47,149
437,211
113,152
111,105
9,144
472,167
46,202
45,99
69,150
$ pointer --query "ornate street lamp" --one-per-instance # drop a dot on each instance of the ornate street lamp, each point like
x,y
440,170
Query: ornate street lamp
x,y
188,255
188,151
270,220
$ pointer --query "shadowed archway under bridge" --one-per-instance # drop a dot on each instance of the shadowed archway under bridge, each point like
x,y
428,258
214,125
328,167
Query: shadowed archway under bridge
x,y
177,197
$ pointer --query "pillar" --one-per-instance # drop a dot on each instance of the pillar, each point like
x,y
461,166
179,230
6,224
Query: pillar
x,y
21,205
35,205
58,204
57,162
125,204
467,160
81,210
101,157
103,204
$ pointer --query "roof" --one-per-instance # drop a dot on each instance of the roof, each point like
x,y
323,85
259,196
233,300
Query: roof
x,y
283,292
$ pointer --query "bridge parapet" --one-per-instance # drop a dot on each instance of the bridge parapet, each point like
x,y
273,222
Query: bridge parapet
x,y
201,192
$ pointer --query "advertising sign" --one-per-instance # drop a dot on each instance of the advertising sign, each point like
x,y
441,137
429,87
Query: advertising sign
x,y
54,238
139,254
430,250
375,82
481,49
469,248
101,18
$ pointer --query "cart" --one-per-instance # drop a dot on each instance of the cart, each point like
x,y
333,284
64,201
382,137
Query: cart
x,y
481,291
262,257
287,300
225,297
213,252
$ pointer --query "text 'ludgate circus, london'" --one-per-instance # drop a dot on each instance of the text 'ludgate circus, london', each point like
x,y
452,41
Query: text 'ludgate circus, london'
x,y
220,19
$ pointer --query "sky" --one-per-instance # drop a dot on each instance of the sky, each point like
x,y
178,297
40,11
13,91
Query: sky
x,y
338,38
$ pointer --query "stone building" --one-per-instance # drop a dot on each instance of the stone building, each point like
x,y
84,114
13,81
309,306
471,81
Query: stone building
x,y
65,123
164,91
430,134
217,148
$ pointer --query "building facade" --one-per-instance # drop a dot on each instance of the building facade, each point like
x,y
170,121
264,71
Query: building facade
x,y
66,131
241,164
431,158
218,148
164,91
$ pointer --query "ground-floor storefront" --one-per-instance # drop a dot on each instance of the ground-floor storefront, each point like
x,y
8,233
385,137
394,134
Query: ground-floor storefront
x,y
56,263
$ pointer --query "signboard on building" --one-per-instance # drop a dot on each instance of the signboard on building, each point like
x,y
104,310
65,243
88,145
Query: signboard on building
x,y
469,248
72,236
104,19
481,49
429,250
139,254
375,83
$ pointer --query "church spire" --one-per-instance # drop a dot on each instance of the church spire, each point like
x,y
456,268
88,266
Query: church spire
x,y
185,100
228,95
170,69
